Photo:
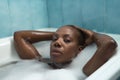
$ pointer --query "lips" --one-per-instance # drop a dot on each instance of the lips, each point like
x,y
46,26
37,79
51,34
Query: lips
x,y
56,53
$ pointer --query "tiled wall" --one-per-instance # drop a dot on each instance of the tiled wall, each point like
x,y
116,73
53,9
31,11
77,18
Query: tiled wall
x,y
100,15
22,14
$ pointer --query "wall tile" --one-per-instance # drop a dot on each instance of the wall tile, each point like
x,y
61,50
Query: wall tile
x,y
72,12
39,15
5,23
99,15
20,14
55,16
113,16
93,14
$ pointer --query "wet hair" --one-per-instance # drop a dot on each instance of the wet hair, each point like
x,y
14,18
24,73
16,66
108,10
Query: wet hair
x,y
81,38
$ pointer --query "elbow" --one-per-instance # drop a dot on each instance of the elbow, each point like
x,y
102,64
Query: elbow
x,y
112,44
16,36
109,50
16,33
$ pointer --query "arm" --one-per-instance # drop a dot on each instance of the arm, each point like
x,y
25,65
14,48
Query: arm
x,y
23,42
106,46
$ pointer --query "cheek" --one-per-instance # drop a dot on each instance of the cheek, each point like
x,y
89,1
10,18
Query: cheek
x,y
72,47
71,50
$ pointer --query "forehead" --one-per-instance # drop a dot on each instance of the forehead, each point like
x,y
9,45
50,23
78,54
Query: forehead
x,y
67,30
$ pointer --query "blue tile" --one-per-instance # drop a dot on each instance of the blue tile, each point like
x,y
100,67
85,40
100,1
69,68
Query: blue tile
x,y
20,14
93,14
72,12
39,13
55,13
99,15
113,16
5,23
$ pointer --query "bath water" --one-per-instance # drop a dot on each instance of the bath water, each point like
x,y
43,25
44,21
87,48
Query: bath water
x,y
36,70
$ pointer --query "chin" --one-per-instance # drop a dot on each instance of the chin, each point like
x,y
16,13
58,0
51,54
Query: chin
x,y
62,61
57,61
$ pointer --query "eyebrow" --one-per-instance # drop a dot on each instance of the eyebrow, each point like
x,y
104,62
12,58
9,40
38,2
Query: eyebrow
x,y
65,35
68,36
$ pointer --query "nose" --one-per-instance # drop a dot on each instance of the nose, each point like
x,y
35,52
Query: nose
x,y
57,43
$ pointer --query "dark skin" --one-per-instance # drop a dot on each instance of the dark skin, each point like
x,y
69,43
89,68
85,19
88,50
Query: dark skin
x,y
65,47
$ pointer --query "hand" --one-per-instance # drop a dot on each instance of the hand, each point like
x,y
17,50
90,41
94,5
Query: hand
x,y
88,36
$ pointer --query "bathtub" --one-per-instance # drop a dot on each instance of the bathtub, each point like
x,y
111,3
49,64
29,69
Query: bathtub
x,y
109,71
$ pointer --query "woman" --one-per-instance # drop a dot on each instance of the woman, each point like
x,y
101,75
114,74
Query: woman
x,y
66,43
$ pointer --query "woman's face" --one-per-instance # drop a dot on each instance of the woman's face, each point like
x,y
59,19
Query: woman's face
x,y
64,46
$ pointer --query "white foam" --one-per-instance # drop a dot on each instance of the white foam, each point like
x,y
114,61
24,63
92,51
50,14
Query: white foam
x,y
35,70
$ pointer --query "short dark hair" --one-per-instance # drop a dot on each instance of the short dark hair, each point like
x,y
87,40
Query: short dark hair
x,y
81,39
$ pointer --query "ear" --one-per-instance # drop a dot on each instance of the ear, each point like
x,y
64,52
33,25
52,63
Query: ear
x,y
79,49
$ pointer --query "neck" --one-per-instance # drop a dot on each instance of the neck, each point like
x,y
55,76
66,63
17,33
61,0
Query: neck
x,y
59,65
54,64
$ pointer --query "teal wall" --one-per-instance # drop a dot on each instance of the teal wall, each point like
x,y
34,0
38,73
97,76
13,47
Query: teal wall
x,y
99,15
22,14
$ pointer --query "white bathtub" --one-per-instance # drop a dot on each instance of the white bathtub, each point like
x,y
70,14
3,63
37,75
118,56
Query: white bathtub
x,y
109,71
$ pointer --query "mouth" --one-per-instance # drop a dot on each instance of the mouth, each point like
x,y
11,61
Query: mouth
x,y
56,53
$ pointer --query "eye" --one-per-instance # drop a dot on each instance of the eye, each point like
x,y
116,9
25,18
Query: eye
x,y
67,40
